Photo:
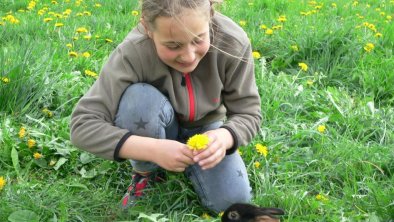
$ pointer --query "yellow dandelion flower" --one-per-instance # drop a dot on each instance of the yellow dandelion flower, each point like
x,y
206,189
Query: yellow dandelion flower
x,y
309,82
242,23
54,2
37,156
97,5
22,132
86,54
2,182
321,128
59,24
321,197
90,73
48,19
73,54
256,55
47,112
87,37
257,164
334,5
69,45
294,48
79,14
31,143
198,142
389,17
369,47
269,31
87,13
81,30
5,80
261,149
135,13
2,23
263,27
67,12
303,66
378,35
277,27
206,216
282,18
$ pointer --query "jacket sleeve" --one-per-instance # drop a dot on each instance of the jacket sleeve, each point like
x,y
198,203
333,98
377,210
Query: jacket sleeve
x,y
241,99
92,127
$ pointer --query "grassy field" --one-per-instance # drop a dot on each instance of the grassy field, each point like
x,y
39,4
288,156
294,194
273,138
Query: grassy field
x,y
325,151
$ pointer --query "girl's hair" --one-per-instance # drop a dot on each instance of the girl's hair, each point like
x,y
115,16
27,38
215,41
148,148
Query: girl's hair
x,y
152,9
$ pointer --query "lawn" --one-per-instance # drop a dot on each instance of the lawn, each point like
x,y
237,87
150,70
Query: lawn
x,y
324,152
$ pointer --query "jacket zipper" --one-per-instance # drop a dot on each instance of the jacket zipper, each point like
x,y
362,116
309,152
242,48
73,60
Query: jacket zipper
x,y
189,88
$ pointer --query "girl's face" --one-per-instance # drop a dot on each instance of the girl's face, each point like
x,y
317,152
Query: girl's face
x,y
182,43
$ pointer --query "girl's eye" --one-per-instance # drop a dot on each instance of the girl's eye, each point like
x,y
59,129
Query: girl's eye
x,y
173,47
198,41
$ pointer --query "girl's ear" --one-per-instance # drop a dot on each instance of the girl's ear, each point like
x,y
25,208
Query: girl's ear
x,y
146,28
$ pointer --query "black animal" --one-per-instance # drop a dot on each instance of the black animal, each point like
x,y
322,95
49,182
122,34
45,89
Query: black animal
x,y
240,212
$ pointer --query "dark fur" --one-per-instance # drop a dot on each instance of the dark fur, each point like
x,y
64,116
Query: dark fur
x,y
249,213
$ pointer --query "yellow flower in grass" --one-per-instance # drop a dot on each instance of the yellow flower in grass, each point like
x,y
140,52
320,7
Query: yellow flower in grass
x,y
303,66
47,112
97,5
69,45
256,55
81,30
257,164
378,35
31,143
59,24
22,132
261,149
242,23
321,128
5,80
37,156
369,47
206,216
87,37
90,73
269,31
263,27
2,182
73,54
48,19
321,197
282,18
135,13
86,54
309,82
198,142
108,40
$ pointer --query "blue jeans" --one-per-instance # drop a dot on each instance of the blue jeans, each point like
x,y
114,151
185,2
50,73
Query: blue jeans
x,y
145,111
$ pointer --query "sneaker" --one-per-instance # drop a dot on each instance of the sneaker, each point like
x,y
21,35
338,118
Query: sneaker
x,y
138,184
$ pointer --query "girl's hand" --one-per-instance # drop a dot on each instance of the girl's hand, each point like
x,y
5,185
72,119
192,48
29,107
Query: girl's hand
x,y
172,155
220,141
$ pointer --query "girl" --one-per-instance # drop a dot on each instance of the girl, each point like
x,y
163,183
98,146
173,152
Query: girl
x,y
184,70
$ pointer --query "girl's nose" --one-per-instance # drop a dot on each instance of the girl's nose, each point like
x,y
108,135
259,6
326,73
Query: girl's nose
x,y
189,55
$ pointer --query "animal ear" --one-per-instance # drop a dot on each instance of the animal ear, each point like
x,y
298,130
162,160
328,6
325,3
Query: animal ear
x,y
272,211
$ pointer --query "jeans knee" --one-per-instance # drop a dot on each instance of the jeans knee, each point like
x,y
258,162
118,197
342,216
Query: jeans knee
x,y
222,202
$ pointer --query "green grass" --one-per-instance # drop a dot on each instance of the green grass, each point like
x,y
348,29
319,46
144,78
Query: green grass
x,y
346,89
